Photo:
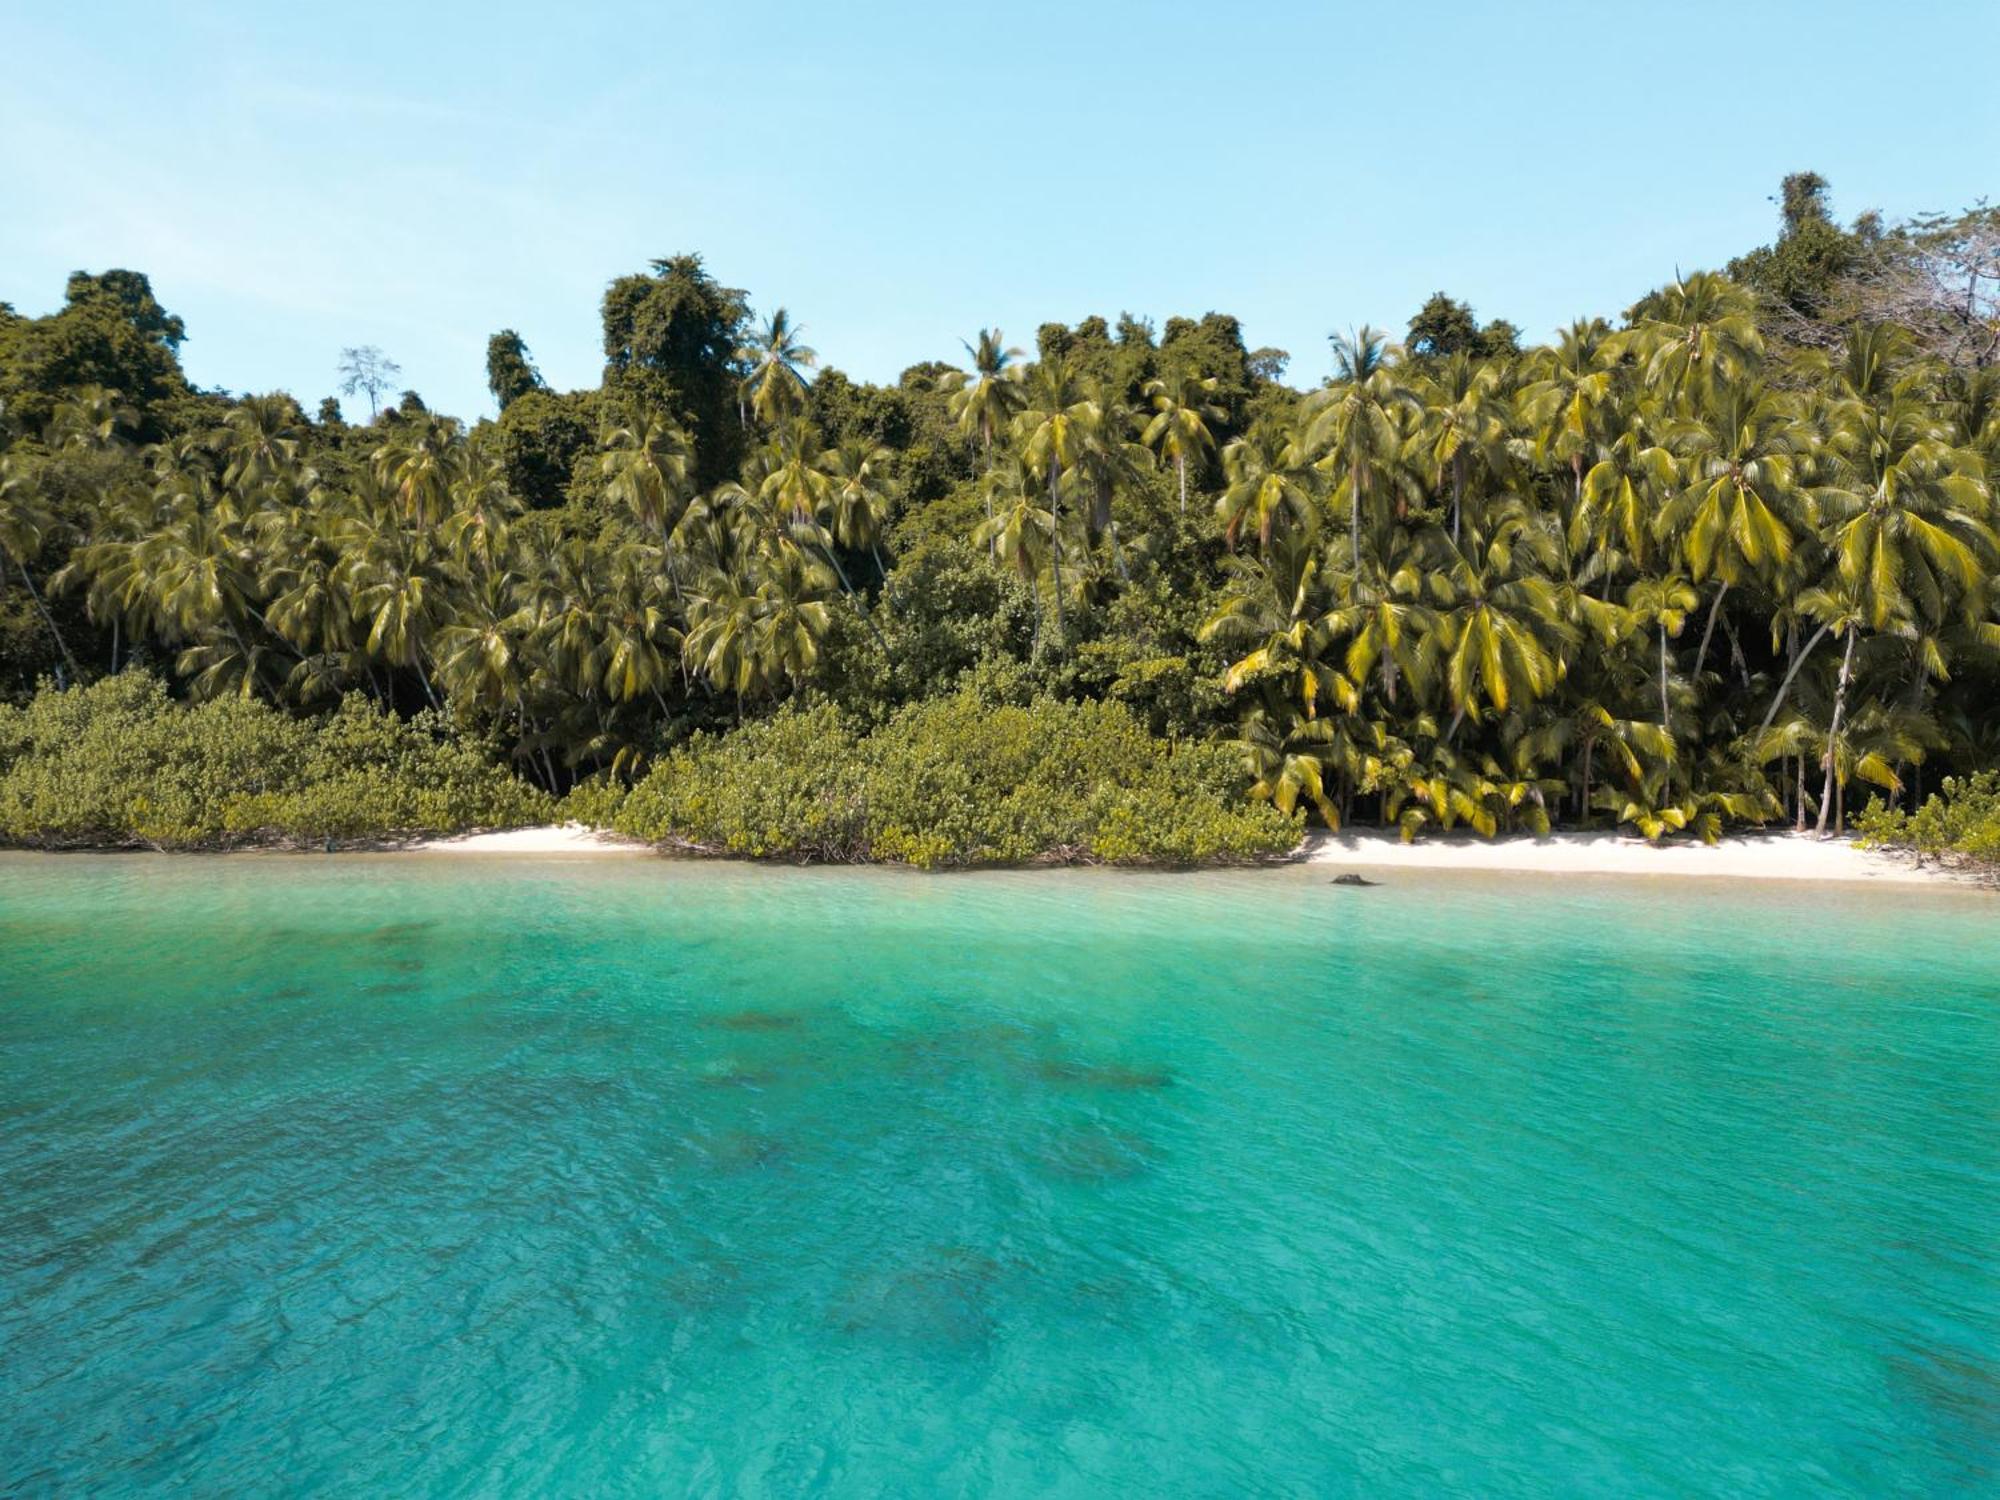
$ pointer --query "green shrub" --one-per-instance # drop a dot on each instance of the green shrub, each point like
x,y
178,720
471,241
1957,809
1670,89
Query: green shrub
x,y
120,763
1962,820
786,787
955,781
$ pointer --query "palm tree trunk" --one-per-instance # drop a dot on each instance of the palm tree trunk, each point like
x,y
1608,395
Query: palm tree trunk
x,y
855,600
1354,518
1118,553
882,569
1736,650
1666,713
1833,730
1180,462
114,645
1714,609
48,620
1786,686
1055,536
1457,492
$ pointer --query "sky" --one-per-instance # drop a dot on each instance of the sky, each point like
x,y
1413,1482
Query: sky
x,y
299,179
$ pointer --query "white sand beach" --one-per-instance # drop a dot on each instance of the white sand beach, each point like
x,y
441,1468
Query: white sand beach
x,y
552,838
1753,856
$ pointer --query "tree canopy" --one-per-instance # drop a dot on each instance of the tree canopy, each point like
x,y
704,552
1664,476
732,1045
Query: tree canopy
x,y
1728,558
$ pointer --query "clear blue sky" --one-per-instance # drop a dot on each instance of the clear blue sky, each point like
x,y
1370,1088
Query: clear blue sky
x,y
299,178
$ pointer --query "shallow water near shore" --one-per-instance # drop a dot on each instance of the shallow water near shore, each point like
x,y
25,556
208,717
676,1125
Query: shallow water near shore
x,y
380,1175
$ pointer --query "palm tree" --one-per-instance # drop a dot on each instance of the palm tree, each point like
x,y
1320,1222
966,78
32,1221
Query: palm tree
x,y
1352,426
92,420
1466,416
1270,484
1018,530
1698,331
1662,603
1501,627
260,439
1907,512
1058,423
1182,410
1571,382
1272,606
985,398
1381,614
1740,506
775,388
1286,759
26,524
861,497
419,465
1621,497
646,466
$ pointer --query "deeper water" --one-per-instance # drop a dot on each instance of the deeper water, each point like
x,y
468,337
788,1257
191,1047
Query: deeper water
x,y
455,1177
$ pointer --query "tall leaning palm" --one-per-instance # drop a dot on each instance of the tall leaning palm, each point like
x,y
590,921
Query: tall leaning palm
x,y
1182,410
26,522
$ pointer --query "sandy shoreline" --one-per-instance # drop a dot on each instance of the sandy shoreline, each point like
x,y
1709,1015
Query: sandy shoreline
x,y
553,838
1752,856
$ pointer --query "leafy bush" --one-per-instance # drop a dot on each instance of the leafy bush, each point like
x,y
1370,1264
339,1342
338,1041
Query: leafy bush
x,y
1962,820
120,763
954,781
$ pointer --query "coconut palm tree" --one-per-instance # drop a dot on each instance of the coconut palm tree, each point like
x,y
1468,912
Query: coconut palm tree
x,y
1466,416
646,466
1502,628
778,360
985,398
27,523
1662,603
1018,530
1059,421
1182,409
1741,506
1271,485
1352,430
1700,330
1272,606
419,465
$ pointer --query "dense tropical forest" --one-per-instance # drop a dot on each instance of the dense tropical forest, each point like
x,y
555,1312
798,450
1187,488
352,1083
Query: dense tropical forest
x,y
1728,559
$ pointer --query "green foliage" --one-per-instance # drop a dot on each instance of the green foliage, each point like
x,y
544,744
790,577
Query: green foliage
x,y
542,435
119,763
1963,820
1707,568
510,372
955,781
670,347
111,332
1444,326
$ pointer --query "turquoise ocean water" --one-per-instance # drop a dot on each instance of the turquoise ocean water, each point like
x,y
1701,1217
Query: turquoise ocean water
x,y
457,1177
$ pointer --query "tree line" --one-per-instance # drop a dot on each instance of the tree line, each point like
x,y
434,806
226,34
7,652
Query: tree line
x,y
1728,559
